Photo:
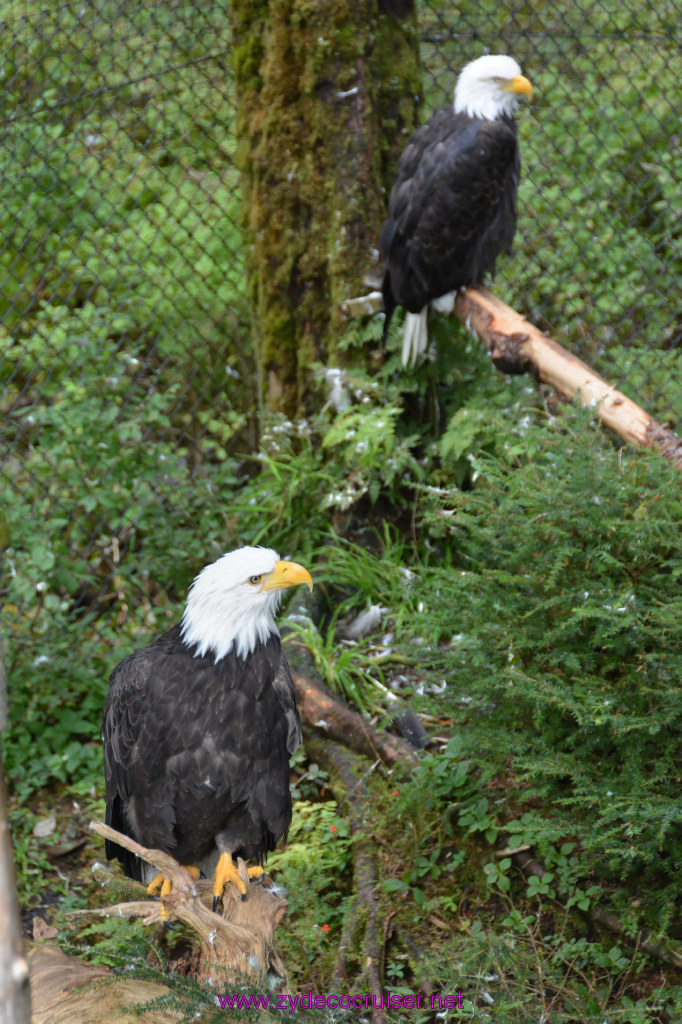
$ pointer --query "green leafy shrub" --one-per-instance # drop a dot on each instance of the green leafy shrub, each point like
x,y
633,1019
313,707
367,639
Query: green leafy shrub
x,y
314,867
558,622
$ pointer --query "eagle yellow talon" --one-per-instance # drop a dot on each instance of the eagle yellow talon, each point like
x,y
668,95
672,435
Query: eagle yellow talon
x,y
164,885
226,871
155,884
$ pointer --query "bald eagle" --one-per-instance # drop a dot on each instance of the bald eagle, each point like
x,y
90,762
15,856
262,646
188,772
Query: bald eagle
x,y
198,727
452,209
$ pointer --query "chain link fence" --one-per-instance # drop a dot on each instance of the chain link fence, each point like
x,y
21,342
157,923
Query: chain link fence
x,y
126,364
125,360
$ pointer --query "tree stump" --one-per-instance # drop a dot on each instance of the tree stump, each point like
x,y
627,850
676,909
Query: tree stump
x,y
234,945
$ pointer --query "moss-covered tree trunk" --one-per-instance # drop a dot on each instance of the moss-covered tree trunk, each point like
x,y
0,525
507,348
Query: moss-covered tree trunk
x,y
327,93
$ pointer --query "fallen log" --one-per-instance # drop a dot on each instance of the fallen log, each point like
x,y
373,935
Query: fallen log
x,y
346,781
670,955
329,717
66,990
322,712
516,346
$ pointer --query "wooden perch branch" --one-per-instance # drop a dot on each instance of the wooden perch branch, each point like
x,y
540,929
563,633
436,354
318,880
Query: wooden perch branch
x,y
516,346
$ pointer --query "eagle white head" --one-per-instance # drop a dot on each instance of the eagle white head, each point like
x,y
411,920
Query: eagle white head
x,y
233,602
490,87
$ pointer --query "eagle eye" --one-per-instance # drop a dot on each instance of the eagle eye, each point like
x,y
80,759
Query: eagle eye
x,y
255,579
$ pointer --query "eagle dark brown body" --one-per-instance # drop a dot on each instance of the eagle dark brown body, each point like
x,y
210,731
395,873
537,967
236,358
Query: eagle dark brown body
x,y
452,209
196,751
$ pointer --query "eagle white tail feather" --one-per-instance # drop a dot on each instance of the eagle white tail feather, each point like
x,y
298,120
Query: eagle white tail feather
x,y
415,336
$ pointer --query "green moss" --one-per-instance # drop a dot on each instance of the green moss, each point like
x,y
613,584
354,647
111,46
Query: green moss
x,y
312,101
398,96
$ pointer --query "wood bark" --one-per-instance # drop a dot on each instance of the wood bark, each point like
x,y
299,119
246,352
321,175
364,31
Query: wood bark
x,y
325,97
516,346
66,990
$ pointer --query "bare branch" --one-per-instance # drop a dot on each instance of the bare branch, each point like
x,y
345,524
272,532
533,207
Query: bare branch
x,y
516,346
363,305
329,717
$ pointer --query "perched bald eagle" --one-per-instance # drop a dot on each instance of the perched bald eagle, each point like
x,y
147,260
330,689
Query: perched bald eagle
x,y
198,727
452,209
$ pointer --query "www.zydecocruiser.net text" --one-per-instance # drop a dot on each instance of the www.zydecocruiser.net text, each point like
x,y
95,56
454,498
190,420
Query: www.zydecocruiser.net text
x,y
389,1001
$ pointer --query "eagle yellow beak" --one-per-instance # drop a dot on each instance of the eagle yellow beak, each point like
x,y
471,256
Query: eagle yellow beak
x,y
520,85
286,574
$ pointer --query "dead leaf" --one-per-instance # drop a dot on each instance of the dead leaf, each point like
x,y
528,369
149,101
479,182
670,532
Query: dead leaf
x,y
45,827
43,931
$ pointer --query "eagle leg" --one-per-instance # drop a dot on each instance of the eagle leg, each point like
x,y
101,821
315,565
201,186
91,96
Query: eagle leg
x,y
226,871
164,885
155,884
